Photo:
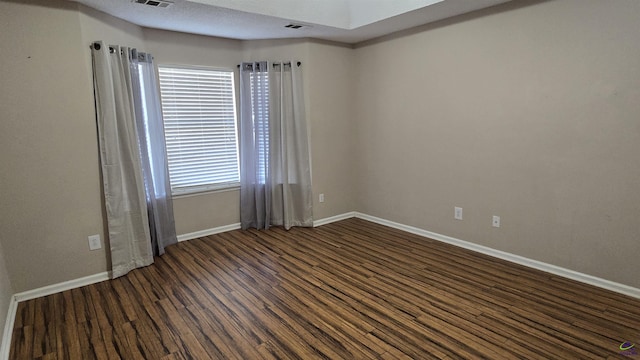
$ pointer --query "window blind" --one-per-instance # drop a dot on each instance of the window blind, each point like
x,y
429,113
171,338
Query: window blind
x,y
198,106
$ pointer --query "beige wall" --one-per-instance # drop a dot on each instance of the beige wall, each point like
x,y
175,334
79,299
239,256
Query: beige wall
x,y
329,72
528,111
49,142
328,87
175,48
6,293
96,25
51,190
328,108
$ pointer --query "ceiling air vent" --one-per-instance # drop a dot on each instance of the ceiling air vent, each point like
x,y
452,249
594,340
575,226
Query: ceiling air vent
x,y
155,3
295,26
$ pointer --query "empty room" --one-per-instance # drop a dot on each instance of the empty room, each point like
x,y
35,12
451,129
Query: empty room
x,y
315,179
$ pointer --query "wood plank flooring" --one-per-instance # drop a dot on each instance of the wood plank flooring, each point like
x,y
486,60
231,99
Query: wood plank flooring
x,y
347,290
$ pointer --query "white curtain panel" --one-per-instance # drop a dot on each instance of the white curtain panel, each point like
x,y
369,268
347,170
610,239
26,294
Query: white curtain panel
x,y
255,200
127,152
153,152
275,170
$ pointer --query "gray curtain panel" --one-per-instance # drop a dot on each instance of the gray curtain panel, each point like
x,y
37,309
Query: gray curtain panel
x,y
124,159
275,169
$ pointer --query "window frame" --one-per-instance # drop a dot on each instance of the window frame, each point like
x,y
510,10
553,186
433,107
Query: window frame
x,y
188,191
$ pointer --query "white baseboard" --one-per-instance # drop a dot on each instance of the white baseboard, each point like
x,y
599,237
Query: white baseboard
x,y
535,264
335,218
63,286
5,345
36,293
225,228
236,226
207,232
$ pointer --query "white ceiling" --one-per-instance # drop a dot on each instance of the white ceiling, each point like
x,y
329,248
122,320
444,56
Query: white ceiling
x,y
346,21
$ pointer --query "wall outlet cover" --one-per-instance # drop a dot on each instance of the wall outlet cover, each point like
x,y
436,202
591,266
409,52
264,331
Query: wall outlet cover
x,y
457,213
94,242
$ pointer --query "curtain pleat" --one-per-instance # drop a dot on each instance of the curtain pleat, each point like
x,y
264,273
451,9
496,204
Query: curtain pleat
x,y
275,171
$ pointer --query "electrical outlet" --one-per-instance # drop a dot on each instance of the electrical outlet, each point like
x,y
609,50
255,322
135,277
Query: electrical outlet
x,y
457,213
94,242
495,222
321,198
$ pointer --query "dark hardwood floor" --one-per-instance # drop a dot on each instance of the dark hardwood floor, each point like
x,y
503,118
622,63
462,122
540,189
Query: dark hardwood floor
x,y
348,290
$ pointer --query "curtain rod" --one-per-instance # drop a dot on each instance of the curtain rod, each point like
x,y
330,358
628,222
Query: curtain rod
x,y
285,64
140,56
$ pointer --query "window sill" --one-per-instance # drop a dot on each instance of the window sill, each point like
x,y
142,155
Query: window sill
x,y
204,191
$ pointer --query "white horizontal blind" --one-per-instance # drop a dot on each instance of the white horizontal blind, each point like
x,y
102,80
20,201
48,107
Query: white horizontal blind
x,y
198,106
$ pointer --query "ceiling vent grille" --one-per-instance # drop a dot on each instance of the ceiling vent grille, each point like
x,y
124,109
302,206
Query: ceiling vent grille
x,y
155,3
295,26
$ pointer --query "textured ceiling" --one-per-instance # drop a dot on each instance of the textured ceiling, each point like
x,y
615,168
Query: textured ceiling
x,y
344,14
346,21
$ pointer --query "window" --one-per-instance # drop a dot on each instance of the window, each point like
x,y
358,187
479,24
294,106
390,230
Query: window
x,y
199,110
